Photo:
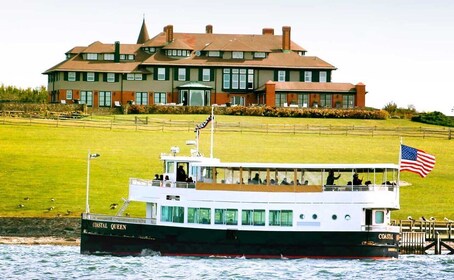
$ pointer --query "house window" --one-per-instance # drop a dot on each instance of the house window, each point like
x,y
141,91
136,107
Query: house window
x,y
134,77
181,74
86,97
238,78
199,215
259,55
69,94
110,77
71,76
283,218
130,57
281,98
130,77
90,77
206,75
92,56
253,217
237,55
142,98
105,98
173,214
303,100
226,216
237,100
214,53
122,57
281,76
109,56
326,100
161,74
160,98
308,76
348,101
322,77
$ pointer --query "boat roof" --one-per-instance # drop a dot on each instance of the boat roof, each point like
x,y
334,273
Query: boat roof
x,y
307,166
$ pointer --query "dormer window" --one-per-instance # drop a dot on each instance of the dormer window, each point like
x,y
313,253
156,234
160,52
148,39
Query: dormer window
x,y
109,56
126,57
150,49
92,56
238,55
214,53
259,55
178,53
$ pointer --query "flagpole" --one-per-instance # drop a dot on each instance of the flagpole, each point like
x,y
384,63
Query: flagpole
x,y
212,131
400,159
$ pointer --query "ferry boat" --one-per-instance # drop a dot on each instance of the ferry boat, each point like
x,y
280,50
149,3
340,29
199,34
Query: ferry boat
x,y
208,208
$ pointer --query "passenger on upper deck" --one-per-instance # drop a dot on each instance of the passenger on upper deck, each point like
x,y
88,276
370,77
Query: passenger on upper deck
x,y
356,180
181,174
256,180
285,182
330,179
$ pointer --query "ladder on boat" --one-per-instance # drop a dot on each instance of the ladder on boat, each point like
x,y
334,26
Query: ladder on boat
x,y
123,207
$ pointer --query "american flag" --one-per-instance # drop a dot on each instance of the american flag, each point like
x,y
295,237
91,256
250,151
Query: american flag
x,y
416,161
204,124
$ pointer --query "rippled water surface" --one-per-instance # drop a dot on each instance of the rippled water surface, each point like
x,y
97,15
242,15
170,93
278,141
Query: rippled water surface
x,y
65,262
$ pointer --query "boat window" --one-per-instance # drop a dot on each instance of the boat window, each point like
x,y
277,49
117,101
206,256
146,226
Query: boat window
x,y
226,216
334,217
253,217
283,218
348,217
199,215
379,217
173,214
207,174
170,167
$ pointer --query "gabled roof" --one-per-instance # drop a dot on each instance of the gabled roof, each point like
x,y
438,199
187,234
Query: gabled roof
x,y
289,60
98,47
177,44
224,42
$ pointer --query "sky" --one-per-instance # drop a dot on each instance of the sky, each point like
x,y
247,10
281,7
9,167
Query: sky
x,y
402,50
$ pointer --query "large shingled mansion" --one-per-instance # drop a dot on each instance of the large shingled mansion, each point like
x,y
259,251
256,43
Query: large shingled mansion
x,y
200,69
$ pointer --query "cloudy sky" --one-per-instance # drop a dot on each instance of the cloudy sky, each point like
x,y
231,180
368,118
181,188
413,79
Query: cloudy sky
x,y
403,50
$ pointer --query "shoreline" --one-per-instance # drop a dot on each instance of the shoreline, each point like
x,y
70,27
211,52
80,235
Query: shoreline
x,y
39,240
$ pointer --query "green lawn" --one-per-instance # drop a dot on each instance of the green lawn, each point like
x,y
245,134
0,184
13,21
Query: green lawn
x,y
48,165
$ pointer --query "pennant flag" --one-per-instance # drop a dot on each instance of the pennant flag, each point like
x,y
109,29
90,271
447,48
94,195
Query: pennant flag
x,y
416,161
204,124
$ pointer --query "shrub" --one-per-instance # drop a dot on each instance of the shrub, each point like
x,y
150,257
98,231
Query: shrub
x,y
436,118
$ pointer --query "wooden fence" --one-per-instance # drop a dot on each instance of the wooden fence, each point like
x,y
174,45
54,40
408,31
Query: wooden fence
x,y
150,124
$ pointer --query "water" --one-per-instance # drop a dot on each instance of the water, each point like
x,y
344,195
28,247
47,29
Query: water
x,y
65,262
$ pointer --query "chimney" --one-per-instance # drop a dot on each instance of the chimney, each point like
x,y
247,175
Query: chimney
x,y
268,31
286,38
209,29
169,33
117,52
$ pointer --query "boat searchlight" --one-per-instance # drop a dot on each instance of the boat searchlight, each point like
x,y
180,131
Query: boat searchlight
x,y
175,150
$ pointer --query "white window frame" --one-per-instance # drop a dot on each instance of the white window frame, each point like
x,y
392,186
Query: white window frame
x,y
181,74
71,76
237,55
259,54
160,98
110,77
92,56
130,77
130,57
141,98
69,94
214,53
206,74
90,76
281,75
109,56
161,74
323,77
308,76
102,99
138,77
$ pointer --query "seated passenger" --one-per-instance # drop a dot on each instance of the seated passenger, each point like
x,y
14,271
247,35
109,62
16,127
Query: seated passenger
x,y
356,180
284,182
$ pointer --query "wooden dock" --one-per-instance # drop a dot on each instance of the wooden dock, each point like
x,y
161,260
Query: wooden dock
x,y
426,236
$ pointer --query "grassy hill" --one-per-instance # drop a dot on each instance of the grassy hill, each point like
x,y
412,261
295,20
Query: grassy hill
x,y
46,166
